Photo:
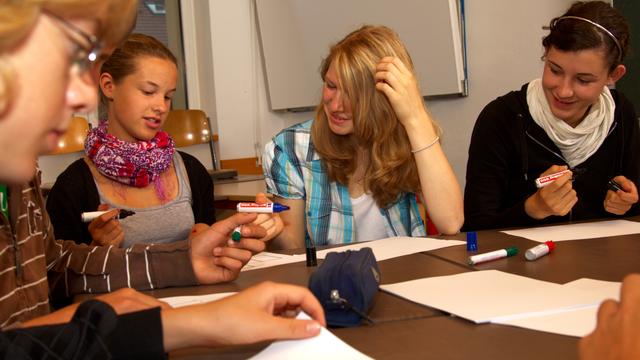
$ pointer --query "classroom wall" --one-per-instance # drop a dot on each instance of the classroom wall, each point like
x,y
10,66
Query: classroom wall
x,y
503,43
503,52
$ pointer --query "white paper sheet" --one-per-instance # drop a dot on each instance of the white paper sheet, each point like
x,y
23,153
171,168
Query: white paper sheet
x,y
268,259
491,295
395,246
578,231
322,347
180,301
578,322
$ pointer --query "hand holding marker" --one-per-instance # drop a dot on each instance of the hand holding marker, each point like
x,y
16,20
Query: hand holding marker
x,y
267,208
543,181
91,215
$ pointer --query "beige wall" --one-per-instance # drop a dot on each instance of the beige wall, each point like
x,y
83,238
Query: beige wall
x,y
503,52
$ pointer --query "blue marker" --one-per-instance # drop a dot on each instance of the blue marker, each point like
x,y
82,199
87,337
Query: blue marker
x,y
261,208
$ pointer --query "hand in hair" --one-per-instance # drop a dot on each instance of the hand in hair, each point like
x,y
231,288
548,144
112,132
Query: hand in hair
x,y
400,86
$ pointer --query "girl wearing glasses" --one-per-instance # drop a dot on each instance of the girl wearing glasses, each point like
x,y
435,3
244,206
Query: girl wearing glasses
x,y
352,173
132,164
31,120
568,120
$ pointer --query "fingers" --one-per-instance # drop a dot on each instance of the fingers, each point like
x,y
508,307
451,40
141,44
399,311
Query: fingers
x,y
285,328
253,245
285,295
227,225
261,198
607,311
554,169
630,290
104,219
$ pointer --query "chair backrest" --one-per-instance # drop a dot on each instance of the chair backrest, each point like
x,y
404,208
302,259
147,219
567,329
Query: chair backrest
x,y
191,127
73,138
188,127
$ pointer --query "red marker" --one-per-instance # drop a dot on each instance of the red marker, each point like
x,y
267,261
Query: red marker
x,y
548,179
540,250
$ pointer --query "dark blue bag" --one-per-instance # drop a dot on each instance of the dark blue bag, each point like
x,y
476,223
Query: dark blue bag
x,y
346,285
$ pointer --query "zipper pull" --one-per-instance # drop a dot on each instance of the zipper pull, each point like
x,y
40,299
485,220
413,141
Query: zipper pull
x,y
336,299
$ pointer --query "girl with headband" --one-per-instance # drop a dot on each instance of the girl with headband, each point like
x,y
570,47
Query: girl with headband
x,y
569,119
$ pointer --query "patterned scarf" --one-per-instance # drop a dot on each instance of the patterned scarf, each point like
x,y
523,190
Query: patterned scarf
x,y
135,164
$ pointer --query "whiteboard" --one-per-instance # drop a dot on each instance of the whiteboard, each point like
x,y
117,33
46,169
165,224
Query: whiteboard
x,y
295,36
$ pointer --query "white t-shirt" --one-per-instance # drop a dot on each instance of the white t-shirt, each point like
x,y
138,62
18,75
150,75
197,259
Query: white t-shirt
x,y
367,218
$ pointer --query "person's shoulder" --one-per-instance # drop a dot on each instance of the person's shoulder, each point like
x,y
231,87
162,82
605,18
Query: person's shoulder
x,y
303,127
505,107
188,158
291,135
622,101
191,163
76,169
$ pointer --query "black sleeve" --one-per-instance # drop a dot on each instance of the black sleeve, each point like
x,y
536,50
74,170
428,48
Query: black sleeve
x,y
631,150
73,193
494,145
94,332
201,190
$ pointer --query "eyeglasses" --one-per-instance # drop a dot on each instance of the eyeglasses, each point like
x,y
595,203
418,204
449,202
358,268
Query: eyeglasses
x,y
86,54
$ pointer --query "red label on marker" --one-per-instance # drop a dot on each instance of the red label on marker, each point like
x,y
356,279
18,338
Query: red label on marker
x,y
548,179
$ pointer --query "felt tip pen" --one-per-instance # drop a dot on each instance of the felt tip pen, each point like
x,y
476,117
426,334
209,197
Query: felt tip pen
x,y
614,186
89,216
261,208
543,181
493,255
236,235
539,251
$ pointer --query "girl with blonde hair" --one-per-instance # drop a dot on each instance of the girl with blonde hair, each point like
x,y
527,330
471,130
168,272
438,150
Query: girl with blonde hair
x,y
352,173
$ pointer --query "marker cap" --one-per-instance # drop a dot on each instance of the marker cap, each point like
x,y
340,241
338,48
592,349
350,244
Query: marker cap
x,y
512,251
472,241
551,245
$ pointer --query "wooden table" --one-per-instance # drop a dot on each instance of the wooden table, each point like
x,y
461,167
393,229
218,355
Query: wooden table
x,y
405,330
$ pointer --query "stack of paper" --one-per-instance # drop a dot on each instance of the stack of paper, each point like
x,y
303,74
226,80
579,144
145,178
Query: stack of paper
x,y
498,297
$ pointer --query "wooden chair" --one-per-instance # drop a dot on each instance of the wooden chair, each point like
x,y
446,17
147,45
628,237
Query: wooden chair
x,y
191,127
73,138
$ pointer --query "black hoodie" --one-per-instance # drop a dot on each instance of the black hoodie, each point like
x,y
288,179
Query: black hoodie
x,y
508,151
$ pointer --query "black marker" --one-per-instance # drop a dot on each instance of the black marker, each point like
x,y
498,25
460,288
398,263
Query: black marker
x,y
89,216
312,260
614,186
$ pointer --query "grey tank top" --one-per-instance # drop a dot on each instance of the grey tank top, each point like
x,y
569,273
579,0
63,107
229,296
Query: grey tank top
x,y
160,224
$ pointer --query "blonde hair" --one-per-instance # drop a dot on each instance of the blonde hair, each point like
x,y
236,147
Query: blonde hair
x,y
390,168
115,18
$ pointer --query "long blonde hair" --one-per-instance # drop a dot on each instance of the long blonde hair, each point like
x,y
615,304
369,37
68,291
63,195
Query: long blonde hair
x,y
115,18
390,167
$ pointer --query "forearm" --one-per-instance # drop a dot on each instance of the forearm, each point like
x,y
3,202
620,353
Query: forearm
x,y
293,233
440,188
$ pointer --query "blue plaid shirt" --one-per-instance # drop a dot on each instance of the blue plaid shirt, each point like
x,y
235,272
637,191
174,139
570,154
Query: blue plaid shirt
x,y
293,170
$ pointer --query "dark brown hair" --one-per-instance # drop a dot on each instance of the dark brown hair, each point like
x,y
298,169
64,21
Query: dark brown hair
x,y
568,34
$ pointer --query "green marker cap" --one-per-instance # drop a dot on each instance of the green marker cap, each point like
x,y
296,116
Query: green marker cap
x,y
235,236
512,251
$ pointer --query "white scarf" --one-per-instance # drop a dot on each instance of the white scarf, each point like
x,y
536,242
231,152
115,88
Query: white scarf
x,y
576,144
